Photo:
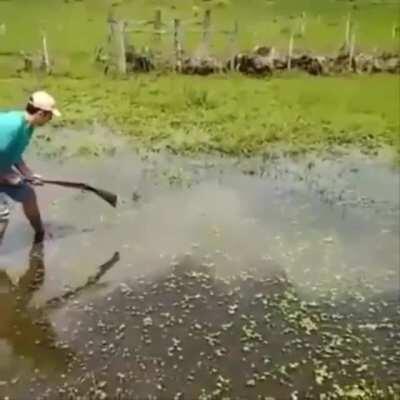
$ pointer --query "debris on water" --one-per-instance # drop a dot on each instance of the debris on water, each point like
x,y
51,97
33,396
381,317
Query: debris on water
x,y
102,384
321,374
294,395
125,289
308,324
135,196
232,309
251,383
147,321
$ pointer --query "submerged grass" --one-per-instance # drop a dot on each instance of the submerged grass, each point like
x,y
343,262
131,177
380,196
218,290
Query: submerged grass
x,y
229,114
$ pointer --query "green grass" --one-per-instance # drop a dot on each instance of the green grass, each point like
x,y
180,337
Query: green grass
x,y
232,115
75,28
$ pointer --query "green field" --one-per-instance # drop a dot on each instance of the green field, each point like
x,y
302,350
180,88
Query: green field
x,y
231,115
75,28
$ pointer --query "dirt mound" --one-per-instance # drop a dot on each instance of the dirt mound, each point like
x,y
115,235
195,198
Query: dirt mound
x,y
264,60
200,66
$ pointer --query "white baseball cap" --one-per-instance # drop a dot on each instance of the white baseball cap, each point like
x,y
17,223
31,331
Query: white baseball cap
x,y
44,101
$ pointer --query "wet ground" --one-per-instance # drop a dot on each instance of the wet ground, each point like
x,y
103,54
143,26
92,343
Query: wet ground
x,y
253,279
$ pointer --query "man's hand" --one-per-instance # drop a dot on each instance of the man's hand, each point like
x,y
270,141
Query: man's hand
x,y
23,169
35,179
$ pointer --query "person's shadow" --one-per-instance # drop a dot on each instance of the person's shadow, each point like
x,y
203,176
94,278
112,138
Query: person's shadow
x,y
26,330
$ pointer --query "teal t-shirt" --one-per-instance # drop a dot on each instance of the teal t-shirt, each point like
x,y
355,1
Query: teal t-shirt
x,y
15,135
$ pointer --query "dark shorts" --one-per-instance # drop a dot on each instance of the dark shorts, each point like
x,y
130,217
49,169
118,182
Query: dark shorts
x,y
18,193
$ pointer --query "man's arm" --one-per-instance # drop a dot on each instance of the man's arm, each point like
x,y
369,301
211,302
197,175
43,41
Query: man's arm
x,y
24,170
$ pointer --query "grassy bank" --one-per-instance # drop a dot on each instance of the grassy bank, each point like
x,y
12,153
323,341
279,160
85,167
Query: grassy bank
x,y
232,115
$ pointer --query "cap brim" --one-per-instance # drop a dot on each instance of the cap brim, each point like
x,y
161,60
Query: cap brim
x,y
56,113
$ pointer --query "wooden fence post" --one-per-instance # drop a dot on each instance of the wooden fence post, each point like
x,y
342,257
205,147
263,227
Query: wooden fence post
x,y
290,54
351,51
177,45
303,23
233,40
46,58
395,30
157,26
121,47
206,29
348,33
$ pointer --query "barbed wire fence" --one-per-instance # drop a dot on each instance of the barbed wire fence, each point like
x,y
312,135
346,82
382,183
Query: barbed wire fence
x,y
167,49
170,36
168,41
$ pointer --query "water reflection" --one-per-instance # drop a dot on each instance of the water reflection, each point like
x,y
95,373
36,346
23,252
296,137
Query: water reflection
x,y
27,332
27,335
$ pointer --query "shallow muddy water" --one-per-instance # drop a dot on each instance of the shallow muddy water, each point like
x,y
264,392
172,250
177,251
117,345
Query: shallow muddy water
x,y
245,279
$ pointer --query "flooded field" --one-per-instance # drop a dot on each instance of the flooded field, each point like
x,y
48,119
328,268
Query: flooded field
x,y
213,279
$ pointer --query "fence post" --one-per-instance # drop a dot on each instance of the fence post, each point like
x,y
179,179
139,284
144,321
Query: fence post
x,y
291,43
111,21
177,45
234,35
395,30
157,26
347,33
303,23
121,47
206,28
351,51
46,58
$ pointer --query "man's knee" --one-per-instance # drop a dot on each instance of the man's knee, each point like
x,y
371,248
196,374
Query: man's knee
x,y
22,193
28,193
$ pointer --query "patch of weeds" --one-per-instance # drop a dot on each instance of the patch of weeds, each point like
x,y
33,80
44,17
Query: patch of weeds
x,y
199,98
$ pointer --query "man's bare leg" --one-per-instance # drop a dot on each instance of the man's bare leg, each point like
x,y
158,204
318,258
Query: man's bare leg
x,y
32,213
27,195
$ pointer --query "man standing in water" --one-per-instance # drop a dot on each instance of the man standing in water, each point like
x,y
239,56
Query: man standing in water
x,y
16,178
